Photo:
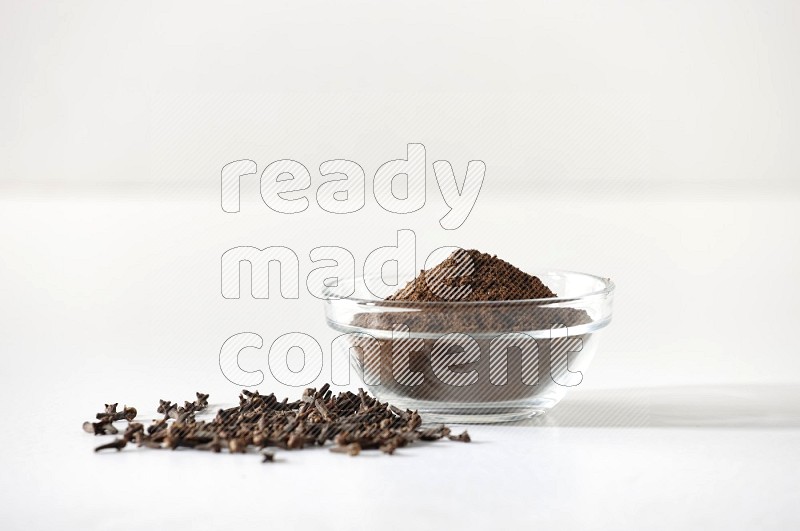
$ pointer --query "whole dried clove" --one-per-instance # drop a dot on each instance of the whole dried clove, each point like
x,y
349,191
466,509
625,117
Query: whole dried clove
x,y
110,413
434,433
117,444
267,457
133,429
104,427
163,406
214,445
463,437
237,446
353,449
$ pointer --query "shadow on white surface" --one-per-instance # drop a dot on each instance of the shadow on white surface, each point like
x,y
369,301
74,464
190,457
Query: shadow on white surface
x,y
722,406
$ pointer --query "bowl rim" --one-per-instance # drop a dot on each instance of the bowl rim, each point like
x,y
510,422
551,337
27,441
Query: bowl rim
x,y
608,289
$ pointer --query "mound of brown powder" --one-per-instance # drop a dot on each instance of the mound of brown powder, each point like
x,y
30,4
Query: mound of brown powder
x,y
470,275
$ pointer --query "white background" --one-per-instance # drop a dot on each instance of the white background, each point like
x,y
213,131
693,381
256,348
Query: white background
x,y
651,142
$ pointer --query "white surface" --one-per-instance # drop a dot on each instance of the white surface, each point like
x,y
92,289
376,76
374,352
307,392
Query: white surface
x,y
674,426
688,475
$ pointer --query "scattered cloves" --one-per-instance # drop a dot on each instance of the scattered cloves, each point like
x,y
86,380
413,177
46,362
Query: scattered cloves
x,y
354,422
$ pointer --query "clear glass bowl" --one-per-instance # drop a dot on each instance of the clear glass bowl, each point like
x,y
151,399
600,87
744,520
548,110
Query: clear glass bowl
x,y
474,362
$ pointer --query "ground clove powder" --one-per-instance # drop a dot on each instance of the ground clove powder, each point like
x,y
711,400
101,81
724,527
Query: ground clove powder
x,y
470,275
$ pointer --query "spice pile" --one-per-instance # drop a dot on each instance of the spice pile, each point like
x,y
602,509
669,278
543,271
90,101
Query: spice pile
x,y
515,301
354,422
470,275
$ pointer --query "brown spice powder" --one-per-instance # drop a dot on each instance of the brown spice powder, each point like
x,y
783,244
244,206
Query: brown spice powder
x,y
471,276
475,276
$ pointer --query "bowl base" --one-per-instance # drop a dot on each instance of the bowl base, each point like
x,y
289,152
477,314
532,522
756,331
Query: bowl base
x,y
493,417
474,413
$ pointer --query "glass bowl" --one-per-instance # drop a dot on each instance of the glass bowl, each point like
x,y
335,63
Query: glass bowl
x,y
474,362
